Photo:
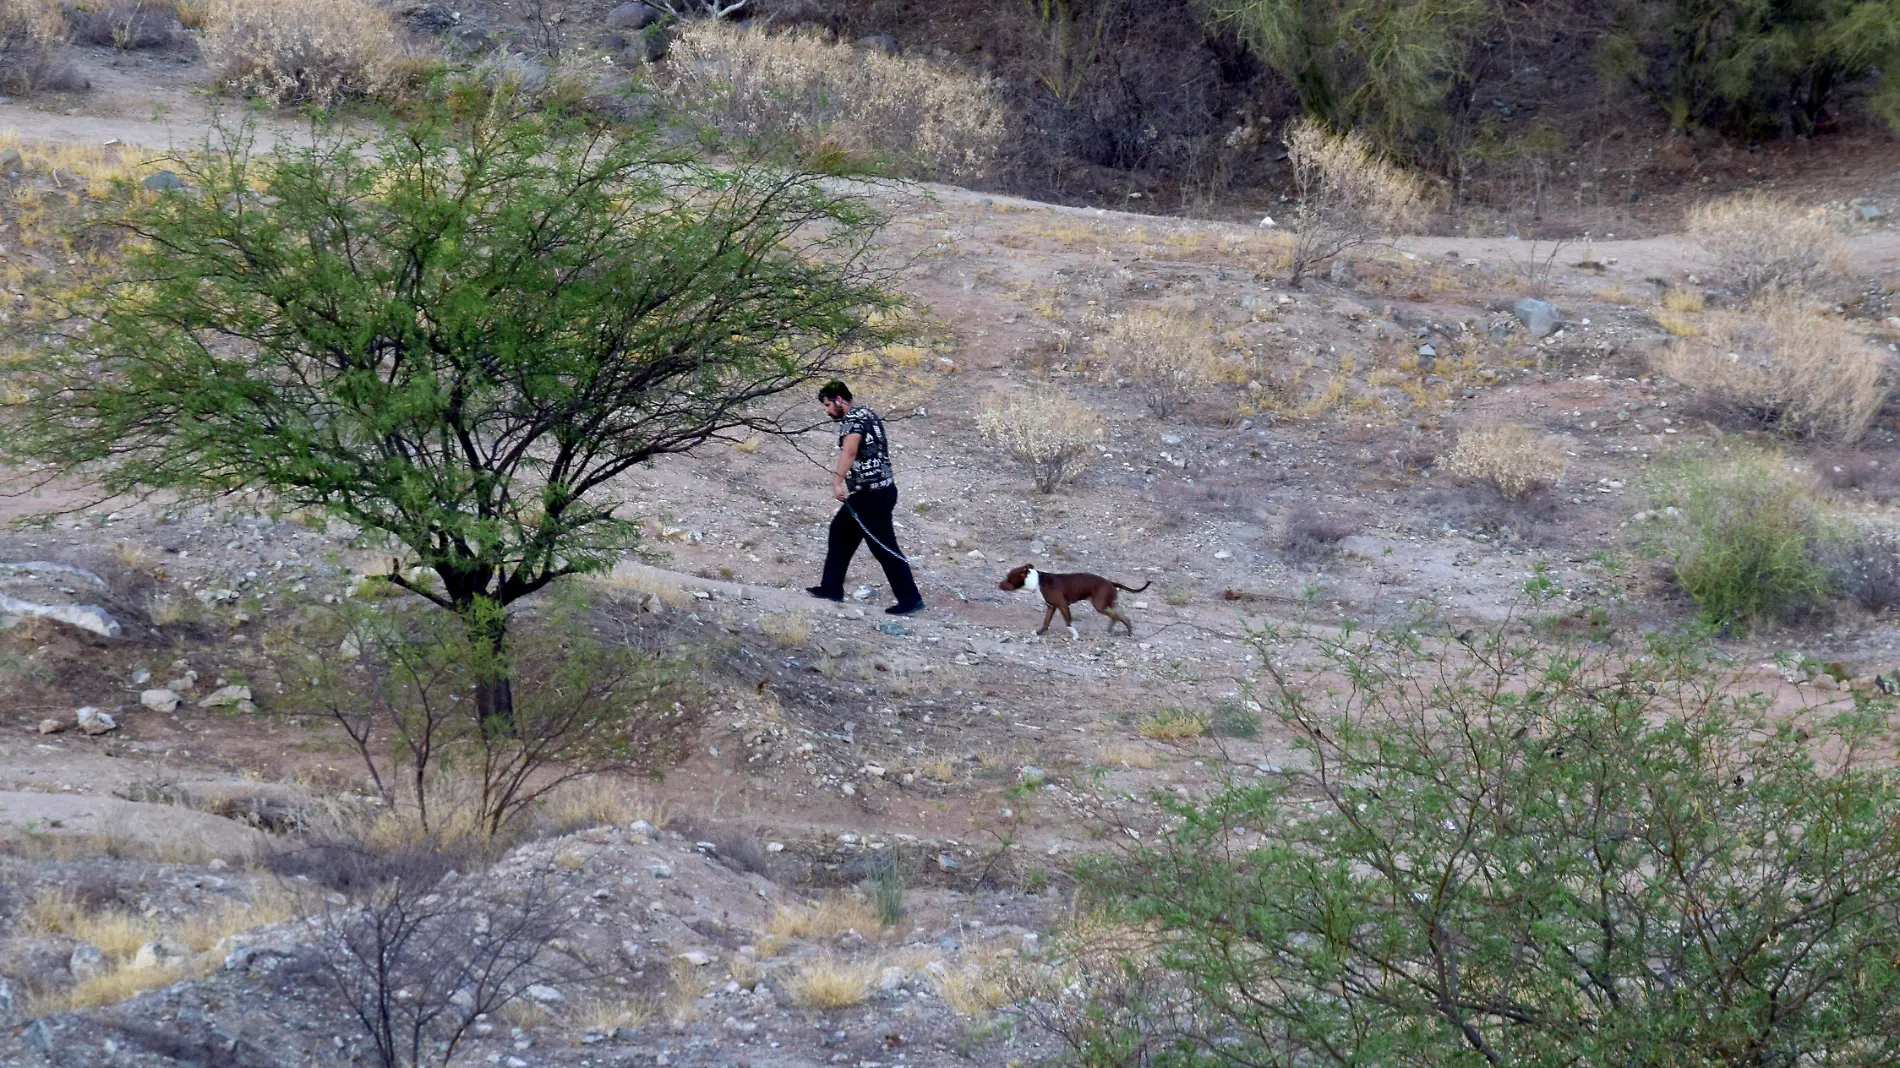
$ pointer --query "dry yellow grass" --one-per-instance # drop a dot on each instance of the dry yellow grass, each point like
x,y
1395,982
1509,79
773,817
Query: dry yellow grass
x,y
784,627
977,987
627,578
1127,756
1050,435
600,801
830,917
608,1013
1168,356
1514,459
265,906
832,100
118,985
1680,300
1782,365
1174,725
1761,242
828,982
55,912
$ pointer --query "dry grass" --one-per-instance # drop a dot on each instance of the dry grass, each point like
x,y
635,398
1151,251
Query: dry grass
x,y
786,628
1126,756
1682,301
832,101
608,1013
976,988
829,918
1349,194
1514,459
1050,435
1166,356
828,982
304,51
33,52
265,906
1783,366
118,985
1761,242
625,578
599,801
1174,725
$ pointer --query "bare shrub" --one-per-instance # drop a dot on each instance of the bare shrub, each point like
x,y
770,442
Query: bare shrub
x,y
303,51
124,25
33,52
419,954
1863,565
1167,356
1349,196
1311,537
825,99
1848,471
1781,366
1048,434
1513,459
400,682
1762,242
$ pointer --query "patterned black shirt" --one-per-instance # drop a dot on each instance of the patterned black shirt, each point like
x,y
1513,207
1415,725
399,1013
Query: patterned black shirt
x,y
872,469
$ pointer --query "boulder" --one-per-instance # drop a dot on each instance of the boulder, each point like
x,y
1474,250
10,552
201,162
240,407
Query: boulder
x,y
51,726
159,700
1538,316
163,180
94,722
11,160
86,617
157,954
88,962
634,16
227,696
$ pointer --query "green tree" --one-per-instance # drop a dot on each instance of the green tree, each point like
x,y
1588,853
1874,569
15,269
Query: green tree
x,y
1756,66
1500,851
460,331
1382,66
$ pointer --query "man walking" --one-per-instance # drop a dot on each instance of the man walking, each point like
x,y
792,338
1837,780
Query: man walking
x,y
863,480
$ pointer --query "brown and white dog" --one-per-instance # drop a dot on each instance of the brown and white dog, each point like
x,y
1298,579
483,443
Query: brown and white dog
x,y
1061,591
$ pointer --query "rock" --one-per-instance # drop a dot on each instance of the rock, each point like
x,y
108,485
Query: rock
x,y
163,180
1538,316
94,722
1170,439
1223,555
1428,352
140,676
1871,212
874,771
1032,776
545,994
159,700
882,42
864,593
775,847
895,630
739,1027
890,979
51,726
88,961
225,696
86,617
1037,548
1342,273
11,160
660,871
156,954
947,863
695,958
39,1037
635,16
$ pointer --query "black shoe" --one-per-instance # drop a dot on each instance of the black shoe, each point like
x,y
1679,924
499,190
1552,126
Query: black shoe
x,y
819,592
904,609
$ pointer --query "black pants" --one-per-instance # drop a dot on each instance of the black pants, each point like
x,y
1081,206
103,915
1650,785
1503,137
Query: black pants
x,y
873,508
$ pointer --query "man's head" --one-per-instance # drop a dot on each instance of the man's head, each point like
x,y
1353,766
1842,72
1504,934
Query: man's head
x,y
836,397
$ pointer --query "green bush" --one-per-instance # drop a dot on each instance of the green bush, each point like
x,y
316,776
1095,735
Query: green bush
x,y
1744,537
1755,66
1525,854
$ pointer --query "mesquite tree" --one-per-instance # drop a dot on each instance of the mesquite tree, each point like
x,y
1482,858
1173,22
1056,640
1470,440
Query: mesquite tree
x,y
457,331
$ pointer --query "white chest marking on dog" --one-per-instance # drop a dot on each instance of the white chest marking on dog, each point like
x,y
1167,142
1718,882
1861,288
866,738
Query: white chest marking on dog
x,y
1033,581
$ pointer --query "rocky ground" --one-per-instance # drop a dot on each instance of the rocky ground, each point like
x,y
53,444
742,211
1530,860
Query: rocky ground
x,y
982,757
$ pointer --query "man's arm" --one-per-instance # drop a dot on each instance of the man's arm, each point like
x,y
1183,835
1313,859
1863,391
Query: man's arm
x,y
847,455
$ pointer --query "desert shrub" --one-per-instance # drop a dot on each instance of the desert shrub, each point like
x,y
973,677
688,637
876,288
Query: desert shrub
x,y
1578,856
1310,537
1513,459
1863,566
1743,537
125,25
1848,471
33,53
829,982
1049,435
1174,725
1349,195
1781,366
1759,242
1166,356
1233,719
827,100
303,51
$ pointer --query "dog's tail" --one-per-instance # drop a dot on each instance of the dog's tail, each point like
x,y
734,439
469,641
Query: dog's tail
x,y
1131,589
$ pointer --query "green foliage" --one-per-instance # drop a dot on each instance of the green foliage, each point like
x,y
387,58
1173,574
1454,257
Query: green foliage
x,y
1232,719
401,680
1756,66
457,330
1744,538
1503,852
1382,67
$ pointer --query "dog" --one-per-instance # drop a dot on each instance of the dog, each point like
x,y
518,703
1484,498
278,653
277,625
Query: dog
x,y
1061,591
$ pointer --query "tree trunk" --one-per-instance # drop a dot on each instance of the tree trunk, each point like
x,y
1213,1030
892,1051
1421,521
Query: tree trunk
x,y
495,704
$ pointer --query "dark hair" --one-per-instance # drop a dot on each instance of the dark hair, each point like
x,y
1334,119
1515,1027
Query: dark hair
x,y
834,388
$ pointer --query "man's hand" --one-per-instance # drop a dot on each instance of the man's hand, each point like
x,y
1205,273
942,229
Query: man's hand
x,y
837,489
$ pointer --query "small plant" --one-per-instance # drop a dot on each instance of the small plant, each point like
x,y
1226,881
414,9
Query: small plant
x,y
1174,725
1761,242
887,887
826,982
1167,357
1745,538
786,628
1311,538
1783,367
1232,719
1513,459
1349,196
1051,436
828,918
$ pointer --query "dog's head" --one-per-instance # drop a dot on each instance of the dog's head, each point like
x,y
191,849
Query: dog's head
x,y
1019,577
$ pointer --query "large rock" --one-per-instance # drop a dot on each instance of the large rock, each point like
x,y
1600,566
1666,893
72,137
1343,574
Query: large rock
x,y
86,617
159,700
88,962
635,16
158,954
228,696
94,722
1538,316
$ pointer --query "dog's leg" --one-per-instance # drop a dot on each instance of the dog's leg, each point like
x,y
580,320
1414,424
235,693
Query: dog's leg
x,y
1069,622
1048,613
